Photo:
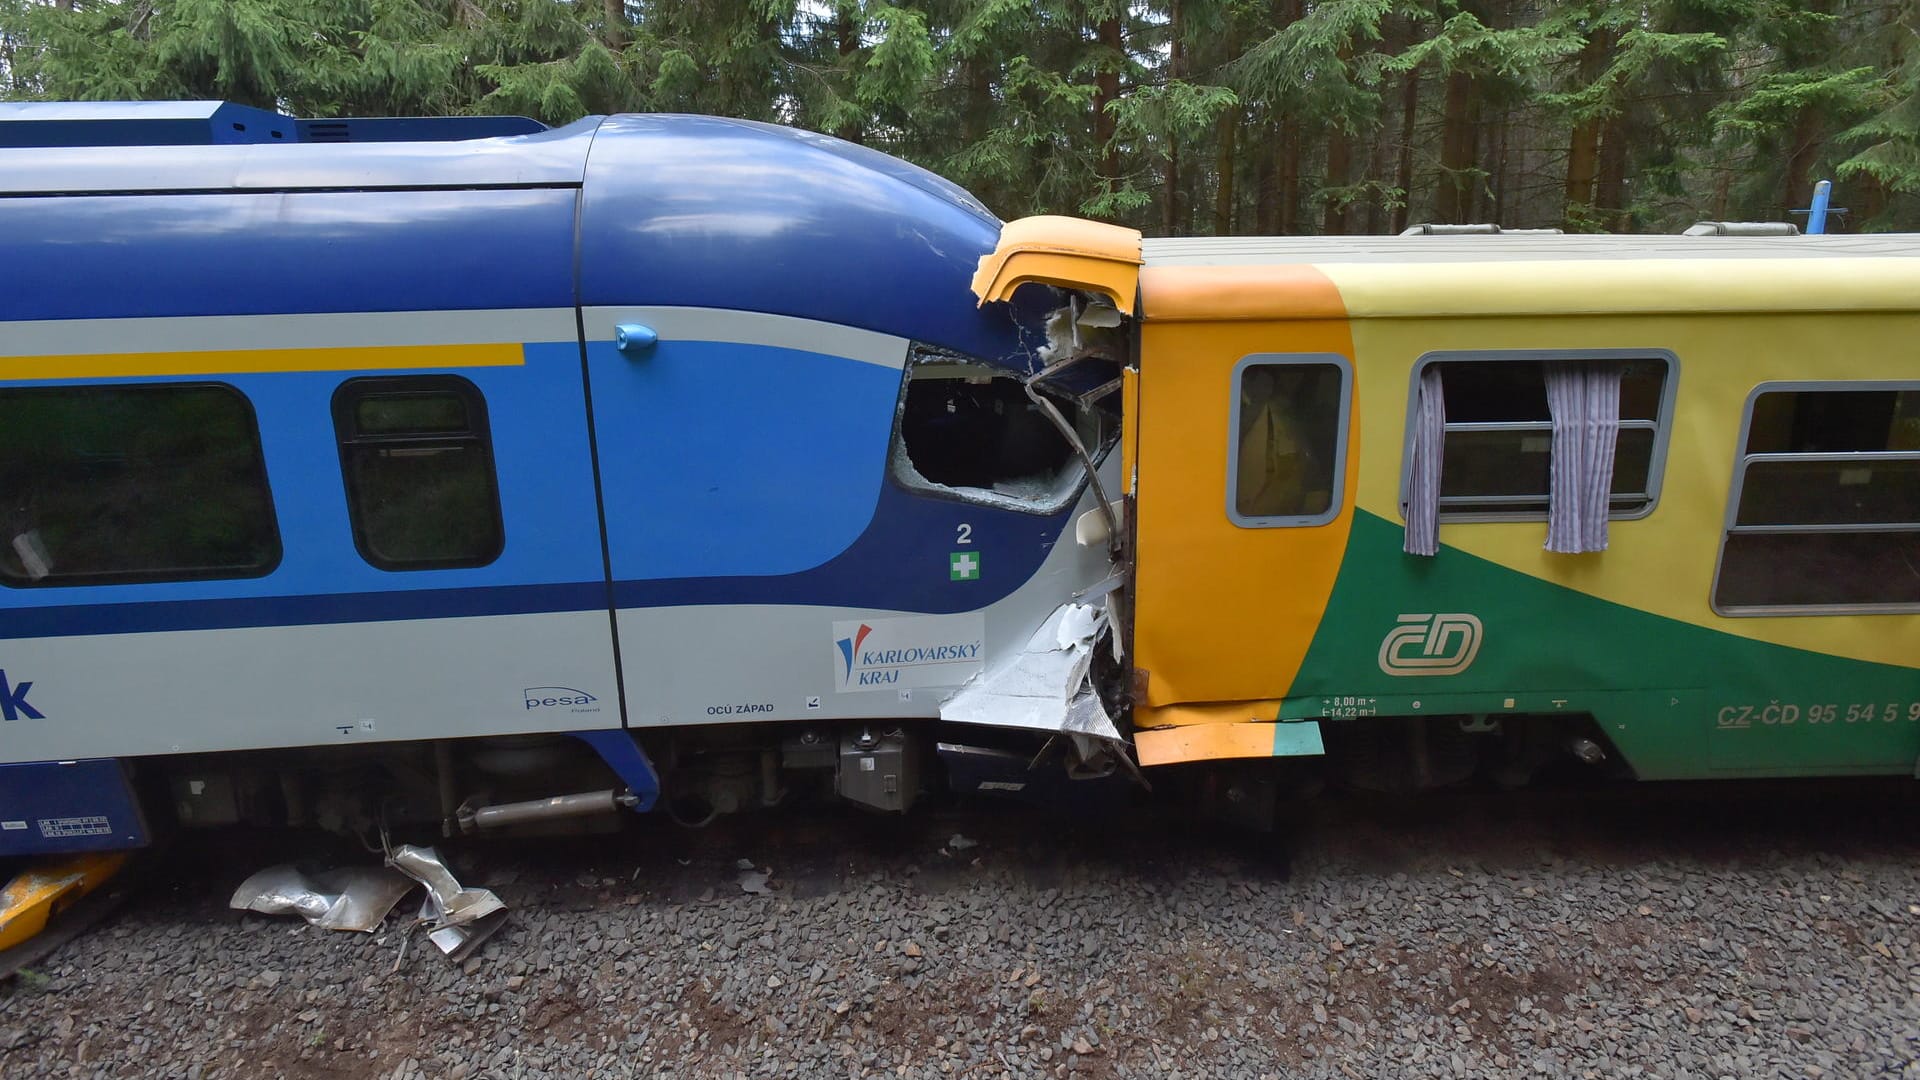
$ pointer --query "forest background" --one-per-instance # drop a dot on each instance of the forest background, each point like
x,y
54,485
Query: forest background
x,y
1181,117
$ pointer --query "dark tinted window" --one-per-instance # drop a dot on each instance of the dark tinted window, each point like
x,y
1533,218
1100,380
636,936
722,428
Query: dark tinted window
x,y
1287,446
1826,510
419,472
1499,444
1834,421
107,484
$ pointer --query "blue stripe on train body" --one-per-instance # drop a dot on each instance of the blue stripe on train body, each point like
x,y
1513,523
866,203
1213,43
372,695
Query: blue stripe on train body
x,y
793,507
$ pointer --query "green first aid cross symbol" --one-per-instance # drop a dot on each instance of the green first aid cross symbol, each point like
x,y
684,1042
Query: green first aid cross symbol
x,y
963,566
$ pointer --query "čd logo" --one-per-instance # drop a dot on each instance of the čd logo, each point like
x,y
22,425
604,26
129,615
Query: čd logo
x,y
1431,644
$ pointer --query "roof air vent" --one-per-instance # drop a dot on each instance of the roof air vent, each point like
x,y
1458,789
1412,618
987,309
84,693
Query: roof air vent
x,y
1743,228
1484,229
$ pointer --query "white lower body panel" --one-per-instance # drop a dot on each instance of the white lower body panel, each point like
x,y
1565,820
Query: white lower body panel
x,y
120,695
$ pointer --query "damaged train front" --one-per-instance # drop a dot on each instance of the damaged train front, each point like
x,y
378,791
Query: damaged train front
x,y
884,559
1072,285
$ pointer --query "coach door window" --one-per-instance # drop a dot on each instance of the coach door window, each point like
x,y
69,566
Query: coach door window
x,y
113,484
1824,515
1496,461
1289,425
418,464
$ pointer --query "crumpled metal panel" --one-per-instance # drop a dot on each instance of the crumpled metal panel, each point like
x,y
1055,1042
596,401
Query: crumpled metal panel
x,y
461,918
350,898
1048,686
452,905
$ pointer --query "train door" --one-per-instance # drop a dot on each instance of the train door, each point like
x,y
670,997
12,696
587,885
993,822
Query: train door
x,y
1245,438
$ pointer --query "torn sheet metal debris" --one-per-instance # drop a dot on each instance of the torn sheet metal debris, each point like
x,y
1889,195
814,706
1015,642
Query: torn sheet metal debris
x,y
1048,686
453,905
351,898
461,918
458,942
1074,329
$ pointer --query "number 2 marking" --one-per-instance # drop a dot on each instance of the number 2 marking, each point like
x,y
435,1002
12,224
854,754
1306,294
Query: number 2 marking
x,y
965,534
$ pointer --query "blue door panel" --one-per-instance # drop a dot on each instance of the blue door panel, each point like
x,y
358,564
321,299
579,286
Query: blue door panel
x,y
723,460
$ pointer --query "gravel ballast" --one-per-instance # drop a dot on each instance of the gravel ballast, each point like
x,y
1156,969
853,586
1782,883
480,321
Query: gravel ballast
x,y
1712,936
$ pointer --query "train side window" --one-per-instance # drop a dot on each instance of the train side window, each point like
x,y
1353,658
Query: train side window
x,y
1497,452
131,483
1288,457
1824,515
417,459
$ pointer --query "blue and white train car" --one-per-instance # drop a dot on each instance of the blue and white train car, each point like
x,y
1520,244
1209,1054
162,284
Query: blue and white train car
x,y
361,471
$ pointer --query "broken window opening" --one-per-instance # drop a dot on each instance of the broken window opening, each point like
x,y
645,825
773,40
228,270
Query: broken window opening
x,y
969,431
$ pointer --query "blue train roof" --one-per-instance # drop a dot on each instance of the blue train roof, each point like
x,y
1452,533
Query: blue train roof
x,y
674,211
548,158
139,123
208,123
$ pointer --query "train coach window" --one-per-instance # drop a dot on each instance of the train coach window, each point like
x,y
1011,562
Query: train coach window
x,y
418,463
1824,515
970,431
116,484
1289,428
1497,454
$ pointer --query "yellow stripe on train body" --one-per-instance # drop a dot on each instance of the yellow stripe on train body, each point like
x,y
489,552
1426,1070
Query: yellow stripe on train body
x,y
134,365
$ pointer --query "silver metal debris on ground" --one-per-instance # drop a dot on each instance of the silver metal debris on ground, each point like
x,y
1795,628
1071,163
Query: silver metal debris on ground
x,y
754,882
961,843
350,898
461,918
459,942
1048,686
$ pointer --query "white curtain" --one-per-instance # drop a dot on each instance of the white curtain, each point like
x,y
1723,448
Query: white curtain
x,y
1423,466
1584,398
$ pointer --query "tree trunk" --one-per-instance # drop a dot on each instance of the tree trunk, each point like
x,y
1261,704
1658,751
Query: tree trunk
x,y
1170,191
1376,217
1223,164
1457,137
1490,199
1583,166
1403,170
1289,195
1808,141
1339,175
847,37
1106,90
1266,181
1170,210
1583,150
615,32
1610,188
978,78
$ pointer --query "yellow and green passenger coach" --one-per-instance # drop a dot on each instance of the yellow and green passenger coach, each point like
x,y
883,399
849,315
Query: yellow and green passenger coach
x,y
1440,504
